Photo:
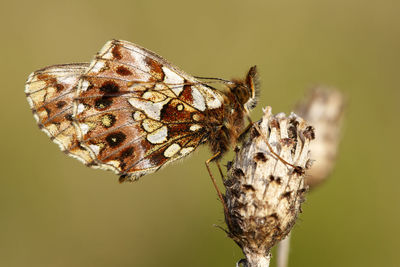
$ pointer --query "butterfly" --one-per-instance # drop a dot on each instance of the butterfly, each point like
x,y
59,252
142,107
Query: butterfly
x,y
132,112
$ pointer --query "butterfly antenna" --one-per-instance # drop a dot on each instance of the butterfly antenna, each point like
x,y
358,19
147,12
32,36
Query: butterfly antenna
x,y
216,80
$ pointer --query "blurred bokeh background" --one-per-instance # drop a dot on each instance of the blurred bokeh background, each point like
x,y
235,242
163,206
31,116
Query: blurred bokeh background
x,y
56,212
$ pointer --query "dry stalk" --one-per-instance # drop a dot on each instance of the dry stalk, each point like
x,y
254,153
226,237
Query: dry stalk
x,y
263,194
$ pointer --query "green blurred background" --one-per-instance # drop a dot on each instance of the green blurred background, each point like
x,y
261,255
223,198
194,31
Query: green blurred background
x,y
57,212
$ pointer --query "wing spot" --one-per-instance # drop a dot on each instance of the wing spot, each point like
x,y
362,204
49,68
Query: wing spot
x,y
154,96
108,120
102,103
195,127
196,117
173,81
172,150
158,136
126,152
99,67
42,76
116,52
109,87
84,128
68,117
61,104
95,149
155,68
59,87
115,139
179,107
150,125
48,111
138,116
151,109
86,85
80,108
121,70
198,99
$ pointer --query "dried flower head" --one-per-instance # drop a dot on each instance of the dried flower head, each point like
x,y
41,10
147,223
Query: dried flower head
x,y
324,109
263,193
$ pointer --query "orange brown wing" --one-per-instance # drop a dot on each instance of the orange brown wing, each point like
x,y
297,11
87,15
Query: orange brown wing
x,y
135,112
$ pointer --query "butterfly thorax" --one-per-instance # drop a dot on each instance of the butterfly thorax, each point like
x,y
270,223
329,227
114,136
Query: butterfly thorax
x,y
230,120
224,134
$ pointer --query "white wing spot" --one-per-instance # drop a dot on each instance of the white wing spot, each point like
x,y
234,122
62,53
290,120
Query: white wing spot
x,y
138,116
105,51
159,136
198,99
97,66
213,103
81,108
179,107
85,85
186,150
172,150
67,80
173,81
146,164
151,125
140,60
95,149
151,109
212,99
84,128
154,96
195,127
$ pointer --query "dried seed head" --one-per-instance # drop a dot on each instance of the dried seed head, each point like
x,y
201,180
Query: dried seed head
x,y
264,197
324,109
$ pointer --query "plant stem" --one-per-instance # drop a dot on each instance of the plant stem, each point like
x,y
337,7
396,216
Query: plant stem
x,y
283,252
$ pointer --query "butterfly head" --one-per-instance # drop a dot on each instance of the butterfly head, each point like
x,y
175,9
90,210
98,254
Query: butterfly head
x,y
246,91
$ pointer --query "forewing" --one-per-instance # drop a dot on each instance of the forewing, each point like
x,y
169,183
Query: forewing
x,y
134,112
50,93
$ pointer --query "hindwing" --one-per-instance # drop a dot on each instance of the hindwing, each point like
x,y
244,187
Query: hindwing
x,y
50,93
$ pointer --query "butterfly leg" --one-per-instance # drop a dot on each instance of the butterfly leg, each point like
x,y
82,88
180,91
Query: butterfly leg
x,y
220,171
220,196
212,177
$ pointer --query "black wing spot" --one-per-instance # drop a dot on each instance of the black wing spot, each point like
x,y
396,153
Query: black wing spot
x,y
109,87
61,104
48,111
126,152
68,117
102,103
116,52
59,87
115,139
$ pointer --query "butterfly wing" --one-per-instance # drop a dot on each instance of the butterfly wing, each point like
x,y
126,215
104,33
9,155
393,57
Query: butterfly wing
x,y
50,93
135,112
